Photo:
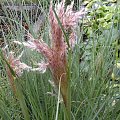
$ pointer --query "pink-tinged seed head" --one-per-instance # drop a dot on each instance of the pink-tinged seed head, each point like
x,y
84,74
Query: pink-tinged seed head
x,y
16,64
68,19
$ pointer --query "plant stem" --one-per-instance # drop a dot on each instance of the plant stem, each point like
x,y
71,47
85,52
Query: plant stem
x,y
68,106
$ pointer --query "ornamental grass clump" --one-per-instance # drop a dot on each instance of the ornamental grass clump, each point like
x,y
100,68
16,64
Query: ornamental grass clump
x,y
56,54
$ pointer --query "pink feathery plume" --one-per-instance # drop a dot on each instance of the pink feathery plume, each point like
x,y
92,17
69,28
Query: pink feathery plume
x,y
38,45
68,19
56,32
16,64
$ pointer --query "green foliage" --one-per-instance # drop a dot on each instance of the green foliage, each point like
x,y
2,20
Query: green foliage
x,y
102,15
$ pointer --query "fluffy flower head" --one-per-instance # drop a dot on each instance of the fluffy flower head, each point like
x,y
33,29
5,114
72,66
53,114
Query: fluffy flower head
x,y
16,64
68,19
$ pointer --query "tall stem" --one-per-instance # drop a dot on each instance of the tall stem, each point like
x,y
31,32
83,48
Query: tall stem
x,y
68,107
